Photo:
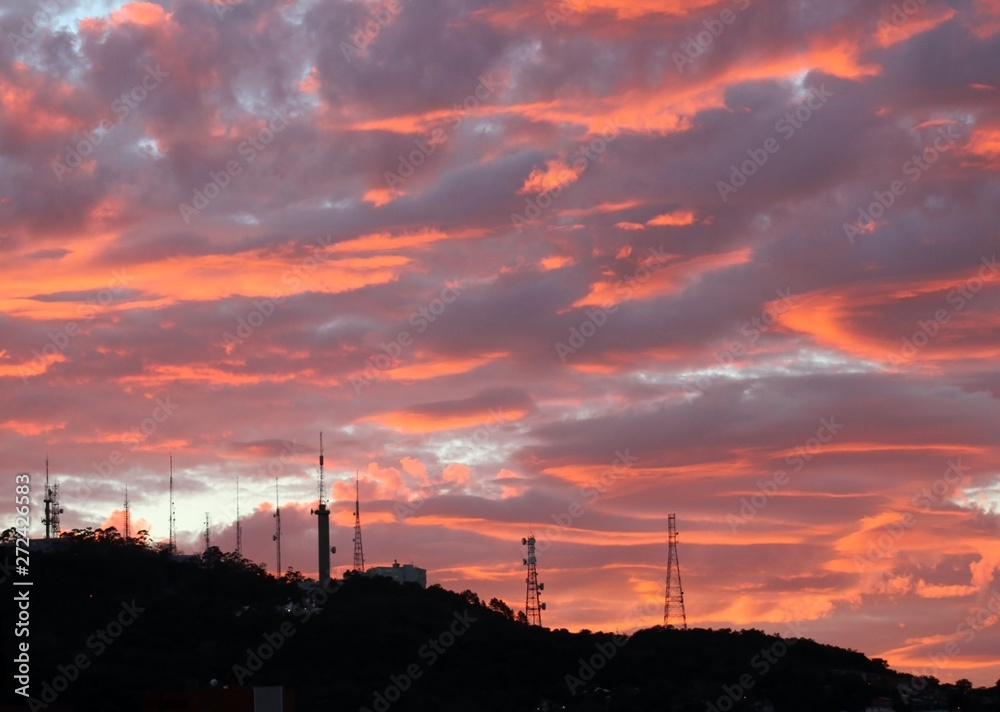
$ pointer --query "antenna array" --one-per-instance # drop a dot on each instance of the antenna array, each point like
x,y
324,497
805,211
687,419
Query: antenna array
x,y
532,607
52,508
173,525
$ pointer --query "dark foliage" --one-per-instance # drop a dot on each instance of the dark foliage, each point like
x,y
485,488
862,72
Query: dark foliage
x,y
221,617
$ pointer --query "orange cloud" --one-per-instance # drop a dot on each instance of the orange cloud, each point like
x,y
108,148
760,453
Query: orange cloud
x,y
139,13
555,262
676,218
556,174
27,427
435,367
985,145
654,278
899,27
599,209
832,318
456,473
421,422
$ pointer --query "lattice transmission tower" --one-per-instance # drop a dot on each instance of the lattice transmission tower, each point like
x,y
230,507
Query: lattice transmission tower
x,y
673,606
532,607
359,554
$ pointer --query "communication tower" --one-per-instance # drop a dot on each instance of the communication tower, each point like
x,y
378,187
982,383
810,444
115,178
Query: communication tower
x,y
277,525
172,545
52,508
359,555
128,516
323,537
532,608
673,606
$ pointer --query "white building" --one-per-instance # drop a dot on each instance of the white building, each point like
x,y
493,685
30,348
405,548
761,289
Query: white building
x,y
407,573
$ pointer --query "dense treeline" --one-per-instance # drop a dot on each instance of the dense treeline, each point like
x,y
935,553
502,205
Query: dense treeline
x,y
122,618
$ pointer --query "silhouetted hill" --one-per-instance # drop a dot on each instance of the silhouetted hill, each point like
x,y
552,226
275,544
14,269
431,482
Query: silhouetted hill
x,y
123,620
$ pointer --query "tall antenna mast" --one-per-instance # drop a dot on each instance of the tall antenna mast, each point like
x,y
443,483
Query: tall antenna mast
x,y
673,606
322,493
359,555
277,525
239,526
323,534
173,532
48,501
128,517
208,539
532,608
52,508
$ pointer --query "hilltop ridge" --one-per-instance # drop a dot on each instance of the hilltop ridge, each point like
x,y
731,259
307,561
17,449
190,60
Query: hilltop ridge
x,y
143,621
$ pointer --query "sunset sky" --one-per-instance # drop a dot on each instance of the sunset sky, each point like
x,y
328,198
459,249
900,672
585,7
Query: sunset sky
x,y
550,267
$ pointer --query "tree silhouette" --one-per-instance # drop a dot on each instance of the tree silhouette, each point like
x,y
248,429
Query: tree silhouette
x,y
497,604
203,615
